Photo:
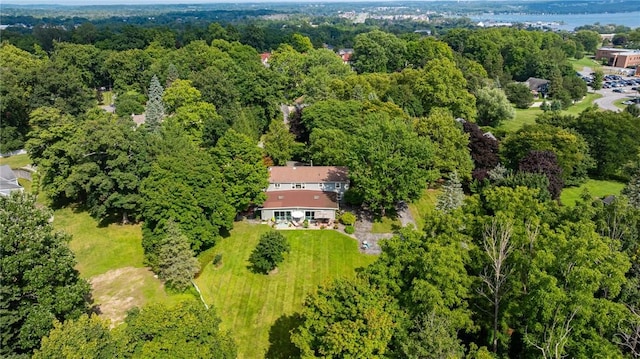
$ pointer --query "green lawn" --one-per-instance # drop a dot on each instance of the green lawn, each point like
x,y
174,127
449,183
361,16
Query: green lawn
x,y
578,65
528,116
596,188
423,207
249,304
112,258
385,225
16,161
523,117
583,105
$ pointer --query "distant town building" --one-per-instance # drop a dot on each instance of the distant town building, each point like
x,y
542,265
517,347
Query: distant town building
x,y
619,57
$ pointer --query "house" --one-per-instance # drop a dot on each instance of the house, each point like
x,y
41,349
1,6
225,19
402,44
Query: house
x,y
538,86
296,193
622,58
8,181
264,58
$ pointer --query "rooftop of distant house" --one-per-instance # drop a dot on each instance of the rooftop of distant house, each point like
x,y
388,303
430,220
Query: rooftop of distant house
x,y
308,174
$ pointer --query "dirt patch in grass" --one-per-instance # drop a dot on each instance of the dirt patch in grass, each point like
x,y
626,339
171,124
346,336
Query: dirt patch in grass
x,y
119,290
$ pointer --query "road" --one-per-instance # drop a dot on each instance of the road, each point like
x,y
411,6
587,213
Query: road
x,y
609,97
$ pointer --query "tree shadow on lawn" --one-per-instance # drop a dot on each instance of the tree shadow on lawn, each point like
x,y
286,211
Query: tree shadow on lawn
x,y
280,345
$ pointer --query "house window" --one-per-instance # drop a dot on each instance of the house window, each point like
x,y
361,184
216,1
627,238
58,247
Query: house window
x,y
298,185
282,215
321,185
310,215
277,185
338,184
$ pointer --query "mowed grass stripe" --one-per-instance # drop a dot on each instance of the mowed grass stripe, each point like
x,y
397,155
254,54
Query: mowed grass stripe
x,y
250,303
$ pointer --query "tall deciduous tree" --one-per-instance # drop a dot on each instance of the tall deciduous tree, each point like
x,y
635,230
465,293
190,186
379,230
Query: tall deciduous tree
x,y
493,107
389,163
519,94
346,319
154,113
37,276
484,150
184,185
244,172
544,162
279,143
85,337
451,151
184,330
180,93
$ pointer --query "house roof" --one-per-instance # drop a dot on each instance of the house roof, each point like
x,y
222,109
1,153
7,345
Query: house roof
x,y
535,83
300,199
307,174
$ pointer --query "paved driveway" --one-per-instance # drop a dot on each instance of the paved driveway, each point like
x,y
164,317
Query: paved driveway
x,y
609,97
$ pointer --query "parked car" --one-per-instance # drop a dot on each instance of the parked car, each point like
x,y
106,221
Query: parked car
x,y
619,90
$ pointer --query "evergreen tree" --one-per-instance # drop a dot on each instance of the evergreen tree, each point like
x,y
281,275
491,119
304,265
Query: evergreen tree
x,y
452,197
269,252
155,107
632,190
172,75
176,262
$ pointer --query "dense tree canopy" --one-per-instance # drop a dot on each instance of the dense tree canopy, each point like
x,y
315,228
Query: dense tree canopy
x,y
39,282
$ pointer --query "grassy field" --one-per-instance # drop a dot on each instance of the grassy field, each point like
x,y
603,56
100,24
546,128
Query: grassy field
x,y
16,161
249,304
528,116
600,189
578,65
111,258
423,207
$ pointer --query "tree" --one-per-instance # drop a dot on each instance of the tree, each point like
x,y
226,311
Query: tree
x,y
497,248
588,39
452,196
185,185
484,150
183,330
279,143
155,107
85,337
569,146
598,78
612,139
442,84
37,276
269,252
180,93
632,190
544,162
176,262
346,319
519,94
493,107
129,103
301,43
432,336
389,163
244,173
451,151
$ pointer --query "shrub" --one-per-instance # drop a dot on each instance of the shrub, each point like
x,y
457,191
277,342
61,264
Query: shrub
x,y
348,219
217,260
269,252
305,224
349,229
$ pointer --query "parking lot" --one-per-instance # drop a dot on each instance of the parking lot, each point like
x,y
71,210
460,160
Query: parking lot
x,y
615,88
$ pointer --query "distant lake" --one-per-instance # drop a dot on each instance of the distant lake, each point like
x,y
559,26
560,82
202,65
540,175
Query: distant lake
x,y
569,22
